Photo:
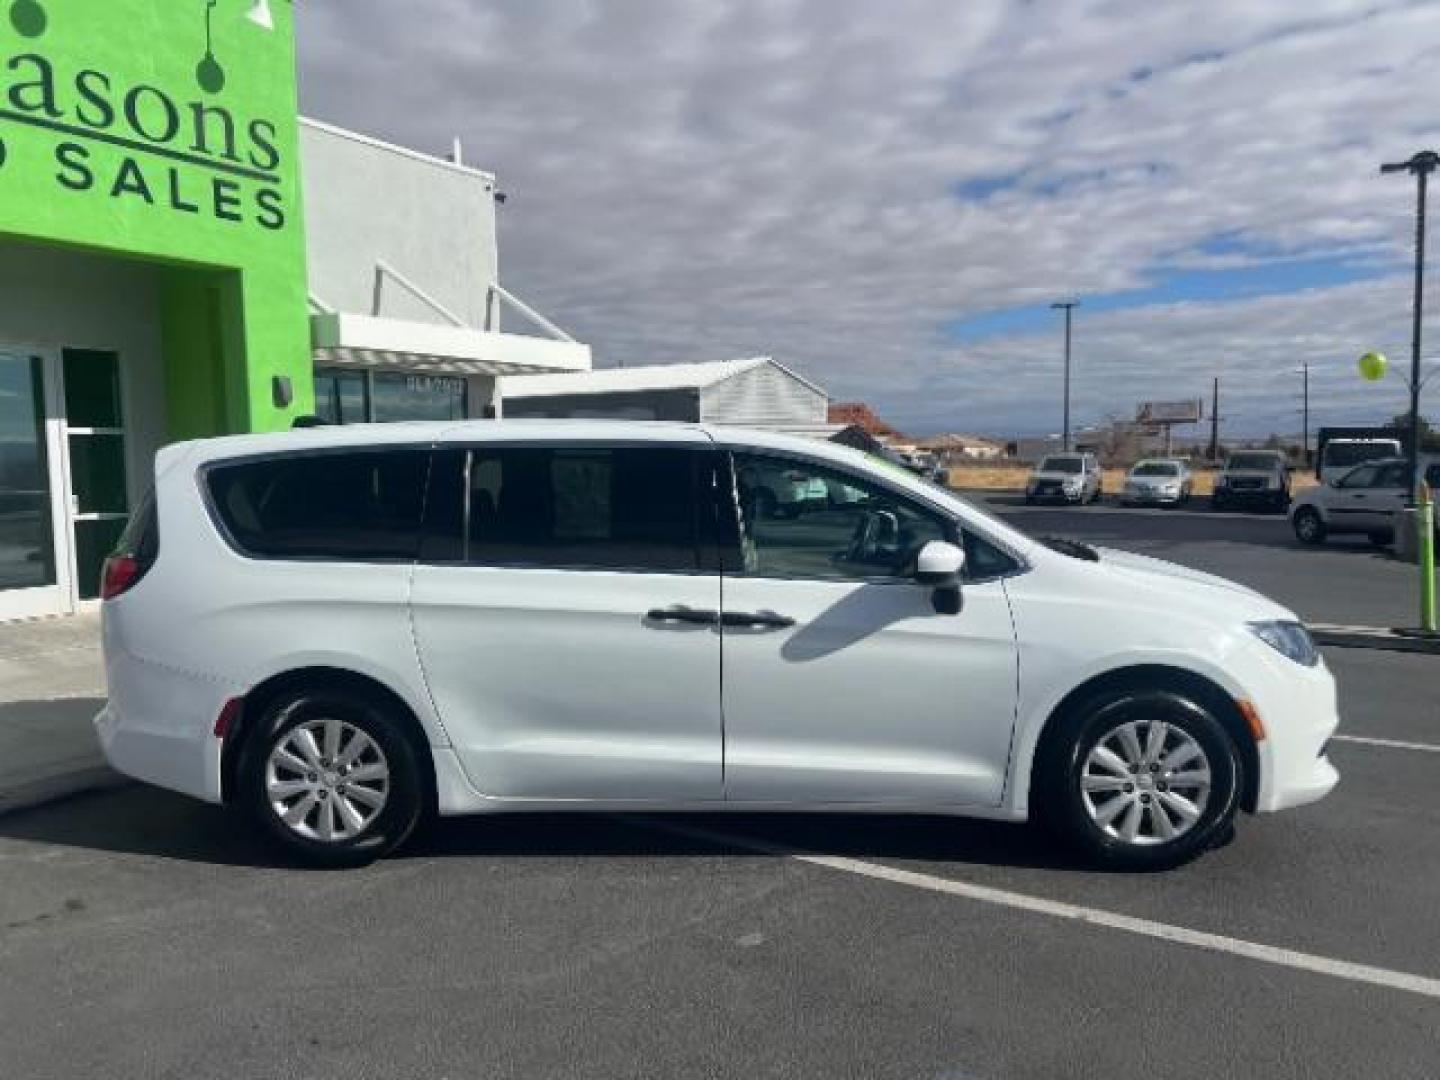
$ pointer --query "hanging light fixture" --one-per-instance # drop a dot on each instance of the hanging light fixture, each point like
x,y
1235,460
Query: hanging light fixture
x,y
208,73
261,15
28,18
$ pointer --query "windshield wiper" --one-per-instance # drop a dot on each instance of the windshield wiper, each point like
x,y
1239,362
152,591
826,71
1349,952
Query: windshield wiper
x,y
1074,548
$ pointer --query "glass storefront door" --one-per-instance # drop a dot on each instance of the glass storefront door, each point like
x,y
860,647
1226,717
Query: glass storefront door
x,y
34,569
95,438
64,496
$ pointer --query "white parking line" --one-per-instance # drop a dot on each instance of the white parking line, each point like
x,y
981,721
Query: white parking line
x,y
1391,744
1268,954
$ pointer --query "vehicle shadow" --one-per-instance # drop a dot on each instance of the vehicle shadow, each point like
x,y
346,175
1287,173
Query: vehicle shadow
x,y
150,823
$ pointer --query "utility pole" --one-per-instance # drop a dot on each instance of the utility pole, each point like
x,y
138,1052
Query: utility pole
x,y
1068,306
1215,420
1420,166
1305,414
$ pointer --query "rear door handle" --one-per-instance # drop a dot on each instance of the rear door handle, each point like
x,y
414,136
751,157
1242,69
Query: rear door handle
x,y
767,620
702,616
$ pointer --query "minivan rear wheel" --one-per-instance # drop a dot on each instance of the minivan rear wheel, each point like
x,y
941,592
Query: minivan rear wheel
x,y
333,778
1142,780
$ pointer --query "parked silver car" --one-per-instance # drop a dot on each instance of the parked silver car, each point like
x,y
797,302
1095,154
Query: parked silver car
x,y
1158,481
1072,478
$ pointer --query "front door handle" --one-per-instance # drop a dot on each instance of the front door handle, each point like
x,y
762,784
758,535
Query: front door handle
x,y
702,616
766,620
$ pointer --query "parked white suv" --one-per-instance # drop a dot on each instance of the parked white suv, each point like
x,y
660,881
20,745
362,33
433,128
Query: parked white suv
x,y
1073,478
338,629
1367,499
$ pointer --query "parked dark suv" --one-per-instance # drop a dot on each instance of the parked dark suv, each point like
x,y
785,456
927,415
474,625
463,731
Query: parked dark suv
x,y
1253,478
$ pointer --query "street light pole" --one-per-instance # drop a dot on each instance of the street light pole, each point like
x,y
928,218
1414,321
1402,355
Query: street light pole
x,y
1420,166
1069,306
1305,415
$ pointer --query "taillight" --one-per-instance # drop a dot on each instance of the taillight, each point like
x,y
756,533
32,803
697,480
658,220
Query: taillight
x,y
120,574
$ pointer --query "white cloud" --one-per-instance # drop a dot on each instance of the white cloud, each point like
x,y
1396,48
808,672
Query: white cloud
x,y
715,177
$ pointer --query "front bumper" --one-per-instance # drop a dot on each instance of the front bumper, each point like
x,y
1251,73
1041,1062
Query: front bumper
x,y
1299,711
1250,494
1049,494
1150,497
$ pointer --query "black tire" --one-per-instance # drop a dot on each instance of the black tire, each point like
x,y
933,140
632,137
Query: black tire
x,y
1309,529
1060,770
1029,500
1381,538
404,786
1217,501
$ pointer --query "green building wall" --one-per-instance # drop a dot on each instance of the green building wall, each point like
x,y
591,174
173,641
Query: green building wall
x,y
166,131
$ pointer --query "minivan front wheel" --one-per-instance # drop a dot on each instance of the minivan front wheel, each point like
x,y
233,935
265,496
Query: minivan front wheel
x,y
333,778
1143,781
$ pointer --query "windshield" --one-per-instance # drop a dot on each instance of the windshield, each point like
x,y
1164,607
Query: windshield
x,y
1261,462
1356,453
1156,468
1060,464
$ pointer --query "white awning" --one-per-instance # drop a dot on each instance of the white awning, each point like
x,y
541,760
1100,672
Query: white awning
x,y
342,339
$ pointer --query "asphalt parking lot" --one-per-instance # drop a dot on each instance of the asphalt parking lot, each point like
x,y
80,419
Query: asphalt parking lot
x,y
145,935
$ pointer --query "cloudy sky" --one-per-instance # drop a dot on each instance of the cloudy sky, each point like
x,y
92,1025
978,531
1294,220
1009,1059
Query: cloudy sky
x,y
887,194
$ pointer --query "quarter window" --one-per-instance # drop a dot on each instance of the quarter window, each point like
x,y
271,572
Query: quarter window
x,y
357,506
581,507
805,521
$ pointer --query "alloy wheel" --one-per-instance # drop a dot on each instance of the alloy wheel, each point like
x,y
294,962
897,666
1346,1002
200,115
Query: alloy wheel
x,y
1145,782
327,780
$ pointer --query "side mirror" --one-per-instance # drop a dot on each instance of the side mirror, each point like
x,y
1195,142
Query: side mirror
x,y
939,568
939,565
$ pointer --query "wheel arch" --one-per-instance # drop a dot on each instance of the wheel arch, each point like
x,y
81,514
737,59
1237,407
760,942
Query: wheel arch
x,y
315,677
1198,688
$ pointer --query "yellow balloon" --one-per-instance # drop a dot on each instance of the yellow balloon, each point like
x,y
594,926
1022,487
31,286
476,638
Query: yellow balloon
x,y
1372,366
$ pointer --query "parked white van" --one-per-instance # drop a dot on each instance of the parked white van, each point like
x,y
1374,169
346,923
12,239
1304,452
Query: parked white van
x,y
341,629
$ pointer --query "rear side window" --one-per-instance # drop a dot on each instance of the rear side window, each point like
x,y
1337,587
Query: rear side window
x,y
569,507
352,506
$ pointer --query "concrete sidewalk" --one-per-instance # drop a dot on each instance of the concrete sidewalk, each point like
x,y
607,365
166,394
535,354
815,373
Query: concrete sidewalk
x,y
51,684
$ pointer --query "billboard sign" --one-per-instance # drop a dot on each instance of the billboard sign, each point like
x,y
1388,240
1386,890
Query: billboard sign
x,y
1171,412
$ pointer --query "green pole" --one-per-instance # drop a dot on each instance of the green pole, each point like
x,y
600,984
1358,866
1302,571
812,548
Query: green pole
x,y
1425,524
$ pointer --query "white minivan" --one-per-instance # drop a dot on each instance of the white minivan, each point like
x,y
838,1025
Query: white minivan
x,y
342,630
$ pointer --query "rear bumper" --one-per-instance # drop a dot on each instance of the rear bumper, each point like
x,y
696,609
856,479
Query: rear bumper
x,y
158,726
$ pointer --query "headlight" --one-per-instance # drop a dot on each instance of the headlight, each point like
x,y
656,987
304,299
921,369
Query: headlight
x,y
1170,489
1071,485
1290,639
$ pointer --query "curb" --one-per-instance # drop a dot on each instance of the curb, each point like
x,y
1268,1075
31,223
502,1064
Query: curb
x,y
38,793
1371,637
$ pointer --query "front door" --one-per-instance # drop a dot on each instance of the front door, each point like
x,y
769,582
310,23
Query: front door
x,y
567,622
842,684
1358,504
95,450
34,561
